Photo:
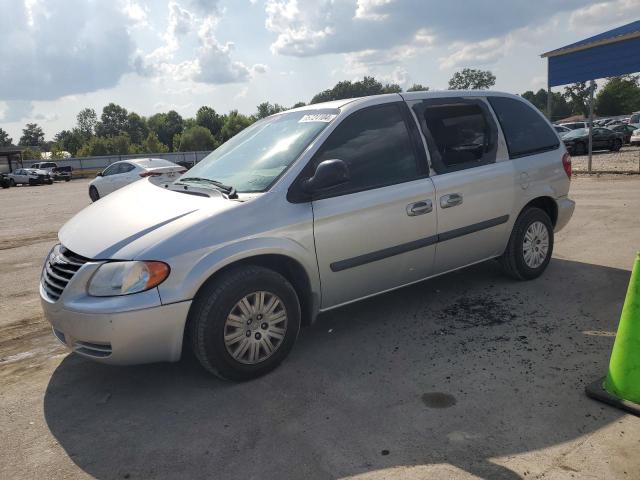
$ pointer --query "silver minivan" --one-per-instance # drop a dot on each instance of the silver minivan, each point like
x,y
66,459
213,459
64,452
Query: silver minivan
x,y
302,212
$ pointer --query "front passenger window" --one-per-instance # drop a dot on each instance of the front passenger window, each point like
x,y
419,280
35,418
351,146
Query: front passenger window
x,y
376,146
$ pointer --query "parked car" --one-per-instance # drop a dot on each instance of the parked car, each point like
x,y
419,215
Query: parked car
x,y
635,137
562,130
626,130
635,117
124,172
575,125
303,212
577,142
56,172
4,181
29,176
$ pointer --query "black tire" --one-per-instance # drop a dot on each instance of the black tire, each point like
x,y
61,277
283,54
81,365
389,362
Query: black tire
x,y
49,182
93,194
617,145
216,300
67,179
512,260
580,148
12,182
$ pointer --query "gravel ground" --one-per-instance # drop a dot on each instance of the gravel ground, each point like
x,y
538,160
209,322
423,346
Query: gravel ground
x,y
470,375
627,160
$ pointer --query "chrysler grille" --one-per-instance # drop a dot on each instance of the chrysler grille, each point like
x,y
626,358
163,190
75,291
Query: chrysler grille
x,y
59,268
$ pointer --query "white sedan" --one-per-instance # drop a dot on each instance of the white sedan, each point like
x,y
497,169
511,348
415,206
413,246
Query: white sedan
x,y
124,172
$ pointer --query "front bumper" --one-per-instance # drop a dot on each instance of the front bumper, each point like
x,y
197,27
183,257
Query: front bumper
x,y
145,335
566,206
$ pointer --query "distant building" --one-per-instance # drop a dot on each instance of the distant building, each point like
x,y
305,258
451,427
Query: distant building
x,y
10,158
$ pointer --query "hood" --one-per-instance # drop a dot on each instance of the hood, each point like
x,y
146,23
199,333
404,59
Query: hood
x,y
127,215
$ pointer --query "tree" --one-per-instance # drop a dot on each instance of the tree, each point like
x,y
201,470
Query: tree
x,y
5,139
136,128
70,140
166,125
348,89
96,146
113,121
208,118
196,139
31,154
57,152
87,120
417,87
578,98
559,106
32,135
152,144
119,145
619,96
266,109
234,123
298,104
472,79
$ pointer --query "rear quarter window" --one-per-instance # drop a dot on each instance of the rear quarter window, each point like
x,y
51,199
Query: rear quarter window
x,y
526,131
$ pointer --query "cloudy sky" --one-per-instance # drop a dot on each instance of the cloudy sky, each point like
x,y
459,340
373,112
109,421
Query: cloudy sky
x,y
59,56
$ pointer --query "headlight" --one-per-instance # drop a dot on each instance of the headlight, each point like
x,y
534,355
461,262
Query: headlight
x,y
124,278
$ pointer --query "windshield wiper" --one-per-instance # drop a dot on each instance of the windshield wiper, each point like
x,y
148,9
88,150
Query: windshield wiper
x,y
226,189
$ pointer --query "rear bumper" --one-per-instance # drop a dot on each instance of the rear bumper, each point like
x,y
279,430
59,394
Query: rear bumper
x,y
147,335
566,206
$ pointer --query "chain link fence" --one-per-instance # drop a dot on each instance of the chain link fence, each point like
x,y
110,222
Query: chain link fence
x,y
90,166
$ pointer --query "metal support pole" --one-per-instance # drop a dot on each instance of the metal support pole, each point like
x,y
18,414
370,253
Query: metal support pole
x,y
592,87
549,116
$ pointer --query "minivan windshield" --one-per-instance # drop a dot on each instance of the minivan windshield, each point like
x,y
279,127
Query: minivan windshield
x,y
253,159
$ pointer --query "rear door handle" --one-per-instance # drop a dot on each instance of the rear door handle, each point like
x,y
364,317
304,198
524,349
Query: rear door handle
x,y
419,208
450,200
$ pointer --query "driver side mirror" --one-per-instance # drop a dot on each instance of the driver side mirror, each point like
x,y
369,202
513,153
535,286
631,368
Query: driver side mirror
x,y
329,173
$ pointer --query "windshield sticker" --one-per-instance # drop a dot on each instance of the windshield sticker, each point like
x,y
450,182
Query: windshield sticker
x,y
318,117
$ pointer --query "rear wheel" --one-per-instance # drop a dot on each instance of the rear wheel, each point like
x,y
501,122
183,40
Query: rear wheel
x,y
12,182
93,194
243,324
530,246
580,148
617,145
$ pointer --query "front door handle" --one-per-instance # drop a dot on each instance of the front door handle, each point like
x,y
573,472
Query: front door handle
x,y
419,208
450,200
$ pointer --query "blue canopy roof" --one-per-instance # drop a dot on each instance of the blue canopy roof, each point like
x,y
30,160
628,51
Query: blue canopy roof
x,y
608,54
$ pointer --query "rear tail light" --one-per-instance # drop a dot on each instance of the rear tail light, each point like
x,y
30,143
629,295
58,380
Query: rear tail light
x,y
566,164
150,174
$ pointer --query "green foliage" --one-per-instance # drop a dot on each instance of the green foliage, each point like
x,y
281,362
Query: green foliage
x,y
31,154
136,128
472,79
266,109
113,121
57,152
70,140
87,120
5,139
234,123
166,126
152,144
32,135
96,146
299,104
196,139
619,96
417,87
208,118
577,95
348,89
559,106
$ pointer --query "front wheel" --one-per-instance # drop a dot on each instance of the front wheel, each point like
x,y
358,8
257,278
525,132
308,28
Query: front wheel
x,y
530,246
93,194
244,323
12,182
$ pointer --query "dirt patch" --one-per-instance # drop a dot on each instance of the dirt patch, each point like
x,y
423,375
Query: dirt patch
x,y
478,311
26,240
438,400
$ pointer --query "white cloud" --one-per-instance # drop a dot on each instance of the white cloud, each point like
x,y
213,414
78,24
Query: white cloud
x,y
53,49
138,14
475,54
15,110
371,9
604,15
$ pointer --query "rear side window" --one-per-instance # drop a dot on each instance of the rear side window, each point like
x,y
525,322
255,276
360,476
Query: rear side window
x,y
460,133
525,130
375,144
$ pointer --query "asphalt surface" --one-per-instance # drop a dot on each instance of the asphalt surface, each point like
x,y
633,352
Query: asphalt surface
x,y
464,376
